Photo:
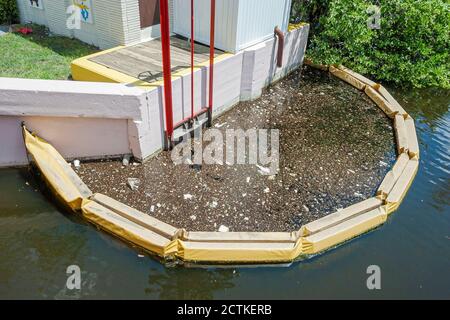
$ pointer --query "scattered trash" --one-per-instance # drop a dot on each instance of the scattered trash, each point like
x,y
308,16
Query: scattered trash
x,y
141,256
223,228
263,171
220,125
214,204
266,190
240,194
25,30
126,160
133,183
76,163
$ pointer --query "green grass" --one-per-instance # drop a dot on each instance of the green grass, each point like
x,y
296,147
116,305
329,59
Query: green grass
x,y
39,55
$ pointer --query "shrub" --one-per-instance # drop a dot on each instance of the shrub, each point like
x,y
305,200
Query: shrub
x,y
8,11
411,46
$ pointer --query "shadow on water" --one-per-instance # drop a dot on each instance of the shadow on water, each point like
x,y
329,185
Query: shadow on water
x,y
183,283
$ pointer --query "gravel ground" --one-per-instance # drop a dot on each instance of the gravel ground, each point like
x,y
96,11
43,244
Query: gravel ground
x,y
335,148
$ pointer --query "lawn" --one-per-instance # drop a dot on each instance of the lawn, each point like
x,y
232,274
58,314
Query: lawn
x,y
39,55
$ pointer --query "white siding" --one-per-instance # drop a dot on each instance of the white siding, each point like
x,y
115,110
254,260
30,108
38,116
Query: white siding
x,y
29,14
107,29
258,19
226,21
116,22
239,23
131,21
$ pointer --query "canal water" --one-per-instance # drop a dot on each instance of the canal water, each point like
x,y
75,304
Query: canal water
x,y
38,242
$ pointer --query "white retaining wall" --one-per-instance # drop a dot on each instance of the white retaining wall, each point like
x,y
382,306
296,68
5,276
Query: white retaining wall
x,y
97,120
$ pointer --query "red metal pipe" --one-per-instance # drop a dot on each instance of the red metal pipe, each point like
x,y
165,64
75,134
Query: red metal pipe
x,y
211,59
167,72
188,119
280,36
192,57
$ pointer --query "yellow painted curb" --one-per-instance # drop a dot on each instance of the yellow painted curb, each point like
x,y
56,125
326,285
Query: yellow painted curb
x,y
83,69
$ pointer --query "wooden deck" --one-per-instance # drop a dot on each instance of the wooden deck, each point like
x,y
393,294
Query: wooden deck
x,y
144,61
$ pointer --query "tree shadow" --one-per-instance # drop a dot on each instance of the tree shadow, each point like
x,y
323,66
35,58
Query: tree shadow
x,y
61,45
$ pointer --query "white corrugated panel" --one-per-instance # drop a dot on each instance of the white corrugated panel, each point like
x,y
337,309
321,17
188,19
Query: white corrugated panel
x,y
239,23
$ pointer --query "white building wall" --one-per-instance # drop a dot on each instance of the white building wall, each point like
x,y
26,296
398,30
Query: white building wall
x,y
257,20
106,31
131,21
115,22
29,14
132,24
239,23
225,21
56,17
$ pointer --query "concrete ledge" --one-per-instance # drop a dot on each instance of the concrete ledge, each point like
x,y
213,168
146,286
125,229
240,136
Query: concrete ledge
x,y
27,97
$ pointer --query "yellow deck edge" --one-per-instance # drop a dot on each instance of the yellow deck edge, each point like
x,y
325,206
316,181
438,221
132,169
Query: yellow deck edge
x,y
83,69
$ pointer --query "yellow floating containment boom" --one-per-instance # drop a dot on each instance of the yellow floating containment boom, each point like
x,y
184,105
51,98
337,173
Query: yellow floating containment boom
x,y
166,241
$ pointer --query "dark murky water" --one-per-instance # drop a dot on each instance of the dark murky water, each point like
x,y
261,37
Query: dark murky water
x,y
38,242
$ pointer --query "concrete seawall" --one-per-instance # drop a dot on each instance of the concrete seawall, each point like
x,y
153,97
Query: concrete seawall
x,y
93,120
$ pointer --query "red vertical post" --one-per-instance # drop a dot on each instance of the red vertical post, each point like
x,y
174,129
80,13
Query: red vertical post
x,y
211,59
192,57
167,69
